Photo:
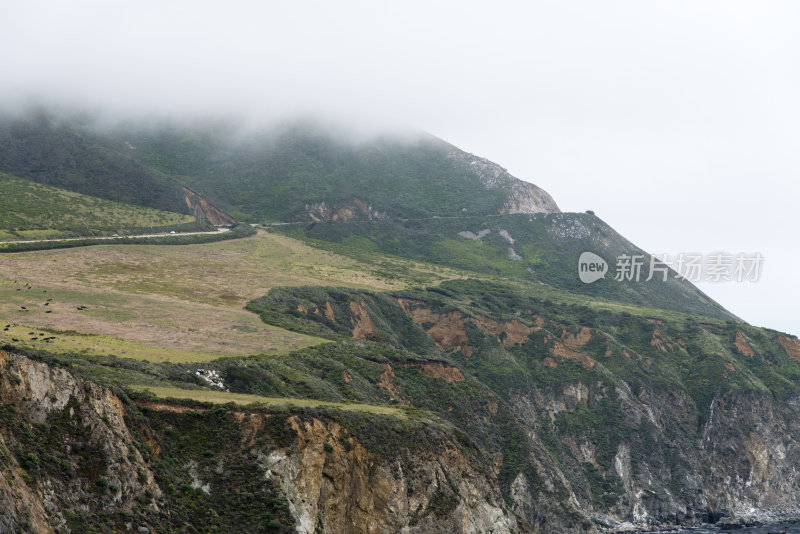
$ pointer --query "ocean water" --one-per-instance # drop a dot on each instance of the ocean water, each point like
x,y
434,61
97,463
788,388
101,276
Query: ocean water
x,y
793,528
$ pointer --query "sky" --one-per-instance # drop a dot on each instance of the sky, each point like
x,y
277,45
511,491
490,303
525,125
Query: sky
x,y
677,122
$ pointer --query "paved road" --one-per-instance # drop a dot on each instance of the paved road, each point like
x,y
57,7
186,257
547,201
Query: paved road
x,y
217,231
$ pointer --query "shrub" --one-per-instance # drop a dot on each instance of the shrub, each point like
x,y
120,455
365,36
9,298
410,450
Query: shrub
x,y
30,461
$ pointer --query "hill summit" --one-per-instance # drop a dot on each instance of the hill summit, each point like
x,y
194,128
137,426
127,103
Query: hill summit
x,y
308,171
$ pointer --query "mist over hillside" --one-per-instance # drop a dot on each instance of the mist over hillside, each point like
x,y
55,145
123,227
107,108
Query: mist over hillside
x,y
378,268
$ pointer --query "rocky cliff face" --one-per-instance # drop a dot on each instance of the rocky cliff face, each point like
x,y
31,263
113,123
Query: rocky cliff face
x,y
70,462
523,197
201,209
589,420
743,468
528,198
354,208
64,450
346,488
75,456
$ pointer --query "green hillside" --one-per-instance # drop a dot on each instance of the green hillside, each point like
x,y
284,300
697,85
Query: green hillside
x,y
573,397
39,148
501,351
414,196
543,248
29,210
401,313
525,374
280,174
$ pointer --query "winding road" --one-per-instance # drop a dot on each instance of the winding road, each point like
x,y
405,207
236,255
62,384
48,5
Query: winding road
x,y
107,238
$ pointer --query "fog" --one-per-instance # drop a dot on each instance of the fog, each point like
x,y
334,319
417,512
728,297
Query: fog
x,y
675,121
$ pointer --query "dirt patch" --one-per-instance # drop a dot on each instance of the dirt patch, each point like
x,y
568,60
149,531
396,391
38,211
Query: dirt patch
x,y
304,309
345,214
562,351
347,377
743,346
440,370
203,210
148,438
791,345
729,366
448,330
385,380
653,320
549,362
660,342
576,341
329,312
362,324
513,332
252,426
538,320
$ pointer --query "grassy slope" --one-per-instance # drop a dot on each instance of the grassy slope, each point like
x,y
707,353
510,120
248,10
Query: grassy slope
x,y
274,176
194,294
35,147
221,397
665,355
185,303
549,246
29,210
180,304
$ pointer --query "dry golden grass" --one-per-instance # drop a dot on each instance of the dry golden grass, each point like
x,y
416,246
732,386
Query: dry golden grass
x,y
222,397
177,303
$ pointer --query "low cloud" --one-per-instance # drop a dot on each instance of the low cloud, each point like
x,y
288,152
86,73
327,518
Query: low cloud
x,y
675,120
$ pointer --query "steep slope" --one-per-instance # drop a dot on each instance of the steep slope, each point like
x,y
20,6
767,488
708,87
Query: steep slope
x,y
31,209
704,414
543,248
527,408
307,171
76,457
38,148
415,195
60,153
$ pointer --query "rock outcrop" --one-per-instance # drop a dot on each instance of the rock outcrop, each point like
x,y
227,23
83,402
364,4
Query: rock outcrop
x,y
354,208
328,480
523,197
600,433
89,460
202,209
334,484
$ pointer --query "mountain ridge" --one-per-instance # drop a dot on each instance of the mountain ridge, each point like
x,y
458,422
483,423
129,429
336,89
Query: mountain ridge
x,y
411,190
419,345
59,153
310,164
